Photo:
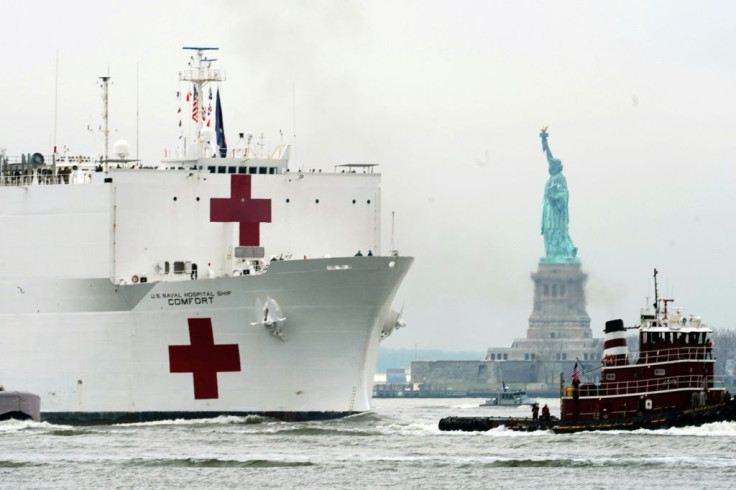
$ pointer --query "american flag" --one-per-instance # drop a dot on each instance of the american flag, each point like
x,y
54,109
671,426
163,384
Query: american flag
x,y
195,106
576,371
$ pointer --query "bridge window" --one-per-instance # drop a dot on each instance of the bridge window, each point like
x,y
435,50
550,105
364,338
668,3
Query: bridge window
x,y
231,170
262,170
221,169
562,289
179,267
242,170
554,290
546,290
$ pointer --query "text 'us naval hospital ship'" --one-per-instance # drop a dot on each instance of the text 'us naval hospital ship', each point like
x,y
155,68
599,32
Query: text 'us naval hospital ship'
x,y
130,293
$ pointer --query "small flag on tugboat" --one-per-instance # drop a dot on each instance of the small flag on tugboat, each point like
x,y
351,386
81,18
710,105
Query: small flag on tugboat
x,y
576,371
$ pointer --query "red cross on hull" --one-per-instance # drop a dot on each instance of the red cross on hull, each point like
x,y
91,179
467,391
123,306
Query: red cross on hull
x,y
239,207
203,358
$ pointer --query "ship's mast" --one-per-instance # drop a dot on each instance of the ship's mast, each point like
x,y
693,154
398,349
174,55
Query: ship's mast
x,y
200,74
105,129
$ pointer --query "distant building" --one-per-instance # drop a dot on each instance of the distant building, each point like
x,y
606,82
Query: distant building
x,y
396,375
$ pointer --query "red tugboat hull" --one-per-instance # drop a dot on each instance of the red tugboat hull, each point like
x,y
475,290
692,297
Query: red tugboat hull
x,y
717,412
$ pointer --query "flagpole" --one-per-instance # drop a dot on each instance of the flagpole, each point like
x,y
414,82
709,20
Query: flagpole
x,y
56,108
293,103
137,115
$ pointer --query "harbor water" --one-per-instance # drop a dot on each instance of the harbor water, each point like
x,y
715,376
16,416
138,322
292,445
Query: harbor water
x,y
396,445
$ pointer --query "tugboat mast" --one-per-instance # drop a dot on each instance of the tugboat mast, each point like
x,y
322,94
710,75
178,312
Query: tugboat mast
x,y
656,294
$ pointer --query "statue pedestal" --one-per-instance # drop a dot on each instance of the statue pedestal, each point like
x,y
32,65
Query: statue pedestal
x,y
559,302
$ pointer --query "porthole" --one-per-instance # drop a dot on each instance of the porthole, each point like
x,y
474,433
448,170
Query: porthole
x,y
369,201
174,198
287,199
353,201
316,201
197,198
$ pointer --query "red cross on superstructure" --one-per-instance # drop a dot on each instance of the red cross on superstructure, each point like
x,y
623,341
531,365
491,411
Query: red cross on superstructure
x,y
203,358
241,208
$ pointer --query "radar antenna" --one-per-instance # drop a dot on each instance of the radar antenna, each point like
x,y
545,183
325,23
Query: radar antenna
x,y
200,74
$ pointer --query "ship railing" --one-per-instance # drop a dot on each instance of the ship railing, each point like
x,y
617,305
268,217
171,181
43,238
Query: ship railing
x,y
664,383
26,180
686,353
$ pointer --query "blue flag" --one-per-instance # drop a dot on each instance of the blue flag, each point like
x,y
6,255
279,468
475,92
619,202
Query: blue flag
x,y
220,127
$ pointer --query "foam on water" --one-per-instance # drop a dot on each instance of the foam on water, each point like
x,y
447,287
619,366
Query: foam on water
x,y
221,420
13,425
398,444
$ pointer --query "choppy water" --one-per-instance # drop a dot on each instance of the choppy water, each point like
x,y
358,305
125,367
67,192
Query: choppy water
x,y
396,445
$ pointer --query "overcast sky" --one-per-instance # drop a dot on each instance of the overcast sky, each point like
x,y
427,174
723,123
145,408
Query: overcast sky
x,y
448,97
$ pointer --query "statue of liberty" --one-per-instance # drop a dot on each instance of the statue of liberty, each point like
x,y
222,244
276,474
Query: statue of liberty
x,y
558,245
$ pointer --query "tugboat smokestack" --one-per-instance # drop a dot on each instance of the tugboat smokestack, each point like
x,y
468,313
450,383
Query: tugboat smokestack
x,y
615,350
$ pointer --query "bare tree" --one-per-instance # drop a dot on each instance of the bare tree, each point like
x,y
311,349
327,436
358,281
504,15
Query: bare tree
x,y
724,348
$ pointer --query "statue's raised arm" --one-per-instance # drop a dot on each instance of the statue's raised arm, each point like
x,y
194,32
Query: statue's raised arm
x,y
545,146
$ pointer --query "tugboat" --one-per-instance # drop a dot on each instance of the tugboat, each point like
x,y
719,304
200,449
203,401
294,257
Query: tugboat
x,y
670,382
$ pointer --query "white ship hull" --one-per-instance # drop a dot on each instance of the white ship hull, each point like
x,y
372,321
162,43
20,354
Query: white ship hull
x,y
116,364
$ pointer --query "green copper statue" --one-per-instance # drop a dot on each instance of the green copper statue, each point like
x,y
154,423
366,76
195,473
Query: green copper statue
x,y
558,245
